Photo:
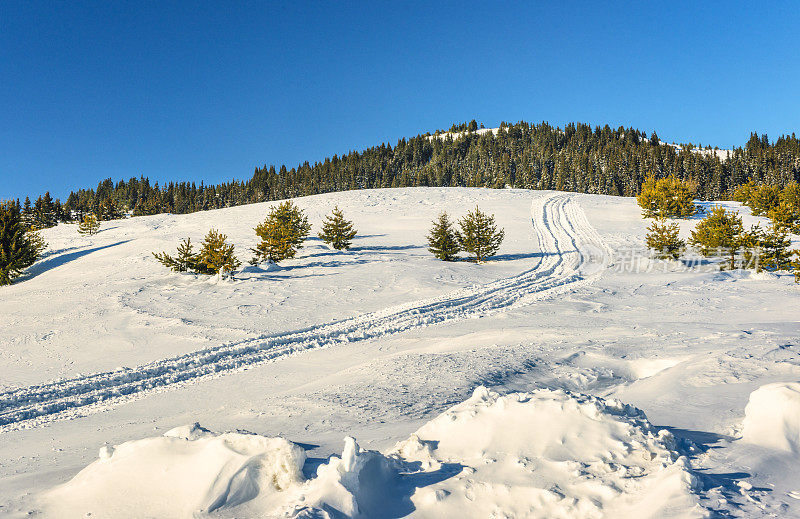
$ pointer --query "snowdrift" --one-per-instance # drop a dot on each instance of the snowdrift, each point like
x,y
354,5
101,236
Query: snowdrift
x,y
542,454
772,417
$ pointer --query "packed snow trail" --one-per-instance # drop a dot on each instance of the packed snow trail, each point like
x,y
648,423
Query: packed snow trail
x,y
567,243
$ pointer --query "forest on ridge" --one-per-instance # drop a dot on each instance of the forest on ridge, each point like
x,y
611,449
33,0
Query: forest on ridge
x,y
576,158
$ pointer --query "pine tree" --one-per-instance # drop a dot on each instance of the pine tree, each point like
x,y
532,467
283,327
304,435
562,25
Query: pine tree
x,y
215,255
775,249
663,239
20,247
763,199
750,248
185,260
479,235
336,231
666,198
282,233
443,240
719,233
89,225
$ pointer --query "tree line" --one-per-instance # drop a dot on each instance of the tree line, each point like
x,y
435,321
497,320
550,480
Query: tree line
x,y
577,158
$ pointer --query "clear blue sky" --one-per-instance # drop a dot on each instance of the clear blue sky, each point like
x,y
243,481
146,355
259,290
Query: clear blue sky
x,y
202,91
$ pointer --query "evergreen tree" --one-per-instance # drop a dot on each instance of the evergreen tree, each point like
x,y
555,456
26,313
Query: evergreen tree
x,y
336,231
443,240
763,199
216,255
479,235
750,248
663,239
775,249
89,225
185,260
20,247
785,217
282,233
666,198
719,234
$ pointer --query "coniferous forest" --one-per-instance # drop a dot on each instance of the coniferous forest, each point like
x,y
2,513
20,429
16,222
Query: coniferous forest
x,y
531,156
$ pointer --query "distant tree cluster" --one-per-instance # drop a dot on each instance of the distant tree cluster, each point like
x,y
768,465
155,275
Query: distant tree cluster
x,y
477,234
721,234
576,158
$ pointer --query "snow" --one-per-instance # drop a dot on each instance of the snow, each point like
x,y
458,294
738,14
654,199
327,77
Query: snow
x,y
488,456
772,417
101,348
177,475
458,135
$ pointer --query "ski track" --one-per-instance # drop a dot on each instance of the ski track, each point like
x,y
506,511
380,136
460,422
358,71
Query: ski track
x,y
572,253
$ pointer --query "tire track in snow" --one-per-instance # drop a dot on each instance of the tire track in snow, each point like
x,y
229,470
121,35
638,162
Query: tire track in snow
x,y
565,239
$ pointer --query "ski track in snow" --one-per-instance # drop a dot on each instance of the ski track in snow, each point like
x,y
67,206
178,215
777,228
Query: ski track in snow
x,y
572,253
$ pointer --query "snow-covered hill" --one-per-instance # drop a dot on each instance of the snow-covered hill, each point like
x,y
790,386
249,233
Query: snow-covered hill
x,y
100,346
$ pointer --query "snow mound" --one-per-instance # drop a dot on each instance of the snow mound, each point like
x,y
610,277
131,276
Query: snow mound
x,y
188,470
541,454
550,454
772,417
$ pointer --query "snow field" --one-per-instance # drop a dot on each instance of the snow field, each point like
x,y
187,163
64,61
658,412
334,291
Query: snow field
x,y
561,230
374,344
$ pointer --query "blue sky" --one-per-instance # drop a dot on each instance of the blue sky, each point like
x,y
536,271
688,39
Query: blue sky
x,y
204,91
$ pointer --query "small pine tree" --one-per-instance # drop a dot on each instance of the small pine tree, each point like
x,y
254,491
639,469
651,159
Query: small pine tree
x,y
185,260
20,247
663,239
719,233
443,240
479,235
282,233
336,231
215,255
763,199
89,225
775,246
666,198
750,248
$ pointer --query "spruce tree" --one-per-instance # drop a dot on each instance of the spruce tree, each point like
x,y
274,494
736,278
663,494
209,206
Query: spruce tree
x,y
20,247
282,233
185,260
775,249
216,255
719,234
663,239
89,225
443,240
750,248
666,198
785,217
479,235
336,231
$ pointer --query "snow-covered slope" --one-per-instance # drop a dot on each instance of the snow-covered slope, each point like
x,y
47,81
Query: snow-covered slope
x,y
101,346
